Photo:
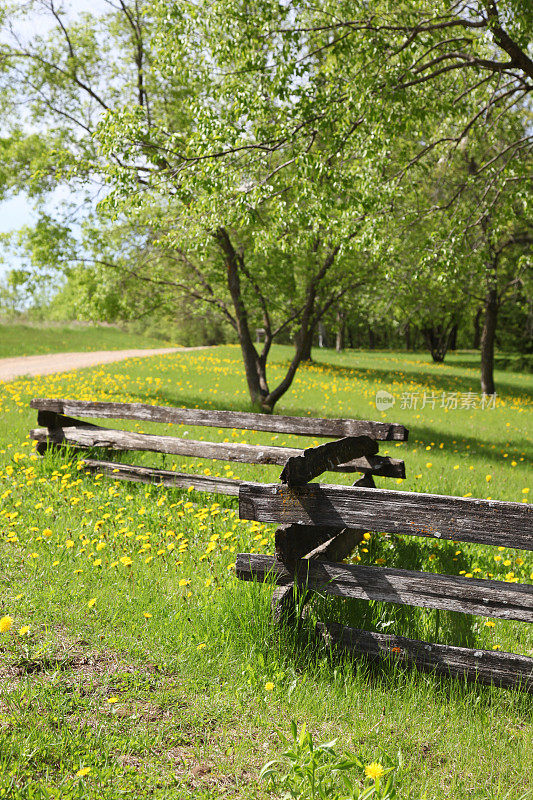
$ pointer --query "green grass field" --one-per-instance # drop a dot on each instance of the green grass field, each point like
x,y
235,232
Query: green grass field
x,y
30,340
148,670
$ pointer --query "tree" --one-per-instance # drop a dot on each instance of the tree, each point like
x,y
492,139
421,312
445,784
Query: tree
x,y
251,154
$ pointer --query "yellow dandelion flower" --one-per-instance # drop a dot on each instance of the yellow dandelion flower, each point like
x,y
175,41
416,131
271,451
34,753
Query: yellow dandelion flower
x,y
81,773
374,771
126,560
6,623
91,602
112,700
489,623
147,614
201,646
24,630
488,478
184,582
47,533
269,686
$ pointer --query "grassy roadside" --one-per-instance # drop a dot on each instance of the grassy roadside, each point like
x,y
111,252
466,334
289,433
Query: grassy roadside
x,y
147,664
30,340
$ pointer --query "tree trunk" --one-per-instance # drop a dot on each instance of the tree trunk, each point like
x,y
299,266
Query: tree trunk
x,y
255,374
407,337
322,335
488,335
341,328
477,328
307,354
437,341
453,337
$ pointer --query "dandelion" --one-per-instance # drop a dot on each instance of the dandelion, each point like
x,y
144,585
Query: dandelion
x,y
374,771
69,543
91,602
81,773
183,582
24,630
201,646
47,533
126,560
269,686
490,623
147,615
112,700
488,478
6,623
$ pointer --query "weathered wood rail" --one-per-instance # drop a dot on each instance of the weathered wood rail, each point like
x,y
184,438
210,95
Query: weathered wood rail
x,y
356,448
321,525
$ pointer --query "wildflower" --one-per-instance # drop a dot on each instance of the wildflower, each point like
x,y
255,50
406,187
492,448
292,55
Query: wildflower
x,y
374,771
488,478
490,623
81,773
24,630
47,533
112,700
269,686
126,560
183,582
91,602
147,614
69,543
6,623
201,646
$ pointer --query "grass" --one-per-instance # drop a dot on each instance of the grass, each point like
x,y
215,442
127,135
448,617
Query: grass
x,y
146,661
31,340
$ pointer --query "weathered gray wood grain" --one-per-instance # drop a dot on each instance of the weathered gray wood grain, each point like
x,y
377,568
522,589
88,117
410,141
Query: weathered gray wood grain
x,y
164,477
301,469
304,426
86,435
487,598
490,522
486,666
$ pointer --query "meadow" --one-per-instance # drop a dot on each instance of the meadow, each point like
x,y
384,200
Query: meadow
x,y
32,340
138,666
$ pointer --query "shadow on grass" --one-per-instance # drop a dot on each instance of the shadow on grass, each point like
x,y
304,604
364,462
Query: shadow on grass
x,y
304,652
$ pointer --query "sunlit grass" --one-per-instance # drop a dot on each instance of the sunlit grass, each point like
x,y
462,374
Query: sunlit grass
x,y
29,340
140,580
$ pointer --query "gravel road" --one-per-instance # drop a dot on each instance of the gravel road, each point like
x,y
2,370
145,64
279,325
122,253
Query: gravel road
x,y
12,368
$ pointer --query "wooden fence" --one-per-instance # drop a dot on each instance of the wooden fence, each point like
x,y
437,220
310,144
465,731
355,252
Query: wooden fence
x,y
318,531
356,452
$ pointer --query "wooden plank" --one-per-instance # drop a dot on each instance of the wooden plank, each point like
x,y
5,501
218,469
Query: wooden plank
x,y
492,522
164,477
487,598
302,426
83,435
293,542
52,420
338,547
486,666
315,460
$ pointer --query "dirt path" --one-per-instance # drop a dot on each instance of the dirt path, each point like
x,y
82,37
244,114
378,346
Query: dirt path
x,y
12,368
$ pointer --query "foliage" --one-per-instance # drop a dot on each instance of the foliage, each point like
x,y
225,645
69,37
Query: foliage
x,y
317,772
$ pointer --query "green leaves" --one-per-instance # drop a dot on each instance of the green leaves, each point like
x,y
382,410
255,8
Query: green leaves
x,y
310,771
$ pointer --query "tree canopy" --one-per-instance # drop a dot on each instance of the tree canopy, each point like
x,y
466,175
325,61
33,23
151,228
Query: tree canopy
x,y
269,159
